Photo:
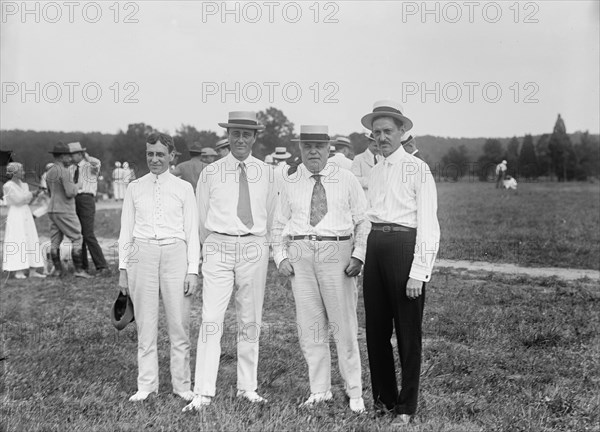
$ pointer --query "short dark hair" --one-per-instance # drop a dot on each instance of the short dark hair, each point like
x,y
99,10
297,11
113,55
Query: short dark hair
x,y
399,124
164,139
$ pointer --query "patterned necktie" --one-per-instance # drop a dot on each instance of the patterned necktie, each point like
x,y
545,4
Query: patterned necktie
x,y
158,209
76,175
318,201
244,208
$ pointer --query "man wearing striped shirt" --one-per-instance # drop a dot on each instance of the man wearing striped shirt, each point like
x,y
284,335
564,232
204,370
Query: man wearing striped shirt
x,y
159,254
319,236
401,251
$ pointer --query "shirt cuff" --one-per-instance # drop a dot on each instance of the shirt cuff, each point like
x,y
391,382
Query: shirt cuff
x,y
192,269
420,272
279,255
359,253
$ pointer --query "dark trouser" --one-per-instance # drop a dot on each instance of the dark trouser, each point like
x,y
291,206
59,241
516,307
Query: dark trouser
x,y
86,212
387,266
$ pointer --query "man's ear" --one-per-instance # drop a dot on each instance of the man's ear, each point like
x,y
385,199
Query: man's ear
x,y
172,156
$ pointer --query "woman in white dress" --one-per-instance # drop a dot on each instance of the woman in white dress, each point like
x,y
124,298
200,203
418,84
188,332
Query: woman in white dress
x,y
21,248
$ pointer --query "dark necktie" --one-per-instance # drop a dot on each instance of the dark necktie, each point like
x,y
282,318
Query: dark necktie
x,y
318,201
76,176
374,159
244,208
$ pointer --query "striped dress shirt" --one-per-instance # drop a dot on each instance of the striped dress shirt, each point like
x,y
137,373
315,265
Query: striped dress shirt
x,y
346,209
177,218
402,191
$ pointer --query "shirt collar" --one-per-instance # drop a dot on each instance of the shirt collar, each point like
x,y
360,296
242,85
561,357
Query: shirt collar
x,y
233,163
162,178
328,170
397,156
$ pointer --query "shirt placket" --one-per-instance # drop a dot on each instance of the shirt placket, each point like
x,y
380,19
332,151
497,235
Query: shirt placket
x,y
158,214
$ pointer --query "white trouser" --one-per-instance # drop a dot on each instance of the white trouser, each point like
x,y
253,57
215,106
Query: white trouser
x,y
227,262
326,304
155,269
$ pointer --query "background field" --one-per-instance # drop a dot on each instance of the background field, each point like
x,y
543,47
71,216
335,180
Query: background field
x,y
501,352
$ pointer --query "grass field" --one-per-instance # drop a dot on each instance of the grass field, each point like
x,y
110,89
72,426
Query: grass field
x,y
500,354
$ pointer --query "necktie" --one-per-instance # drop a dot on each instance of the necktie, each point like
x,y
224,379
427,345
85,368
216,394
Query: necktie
x,y
318,201
244,208
158,209
76,175
374,159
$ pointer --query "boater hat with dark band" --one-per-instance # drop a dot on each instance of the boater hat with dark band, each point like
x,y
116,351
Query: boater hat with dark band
x,y
312,133
386,108
242,120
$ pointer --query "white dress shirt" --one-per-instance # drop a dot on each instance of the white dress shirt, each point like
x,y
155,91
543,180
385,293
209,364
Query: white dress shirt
x,y
157,208
362,165
346,209
88,175
341,161
217,195
402,191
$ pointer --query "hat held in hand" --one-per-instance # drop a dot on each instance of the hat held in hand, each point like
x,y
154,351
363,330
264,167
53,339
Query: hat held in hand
x,y
121,313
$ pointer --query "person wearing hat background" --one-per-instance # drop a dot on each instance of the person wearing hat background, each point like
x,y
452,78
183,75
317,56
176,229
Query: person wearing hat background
x,y
342,153
85,171
364,162
209,155
280,167
190,170
222,148
401,251
159,255
119,186
20,245
236,202
500,174
322,210
61,209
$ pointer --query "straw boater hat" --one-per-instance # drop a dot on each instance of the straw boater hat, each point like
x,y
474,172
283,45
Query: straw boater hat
x,y
242,120
343,141
208,151
281,153
195,148
222,143
75,147
386,108
312,133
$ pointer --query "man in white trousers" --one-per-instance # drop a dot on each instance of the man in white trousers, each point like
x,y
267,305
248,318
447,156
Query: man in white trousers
x,y
323,212
159,254
236,202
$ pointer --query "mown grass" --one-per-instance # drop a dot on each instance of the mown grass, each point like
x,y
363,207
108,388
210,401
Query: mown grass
x,y
501,353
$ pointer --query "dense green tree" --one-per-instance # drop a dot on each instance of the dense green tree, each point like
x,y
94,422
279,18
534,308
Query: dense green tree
x,y
277,133
587,153
455,163
528,164
562,152
187,135
512,157
130,146
542,151
493,154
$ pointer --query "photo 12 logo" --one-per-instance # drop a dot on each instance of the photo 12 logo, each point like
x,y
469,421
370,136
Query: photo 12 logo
x,y
70,11
470,92
270,12
470,11
70,91
271,91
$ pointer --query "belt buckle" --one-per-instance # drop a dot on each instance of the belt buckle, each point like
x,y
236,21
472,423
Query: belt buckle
x,y
386,228
312,237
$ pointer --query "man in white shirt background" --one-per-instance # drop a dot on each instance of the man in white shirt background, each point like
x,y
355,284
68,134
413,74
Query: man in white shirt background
x,y
401,250
159,254
236,202
343,151
322,210
85,171
364,162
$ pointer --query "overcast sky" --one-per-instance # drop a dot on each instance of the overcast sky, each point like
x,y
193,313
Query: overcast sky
x,y
460,69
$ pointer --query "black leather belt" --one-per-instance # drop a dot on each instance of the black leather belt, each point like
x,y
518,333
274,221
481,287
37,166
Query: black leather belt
x,y
234,235
85,193
390,228
313,237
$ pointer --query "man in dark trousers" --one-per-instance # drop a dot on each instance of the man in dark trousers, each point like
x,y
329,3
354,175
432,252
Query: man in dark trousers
x,y
401,250
85,170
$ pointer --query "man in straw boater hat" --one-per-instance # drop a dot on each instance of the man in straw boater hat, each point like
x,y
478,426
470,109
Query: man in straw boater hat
x,y
209,155
236,202
322,209
342,149
364,162
401,251
61,209
159,254
222,147
190,170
